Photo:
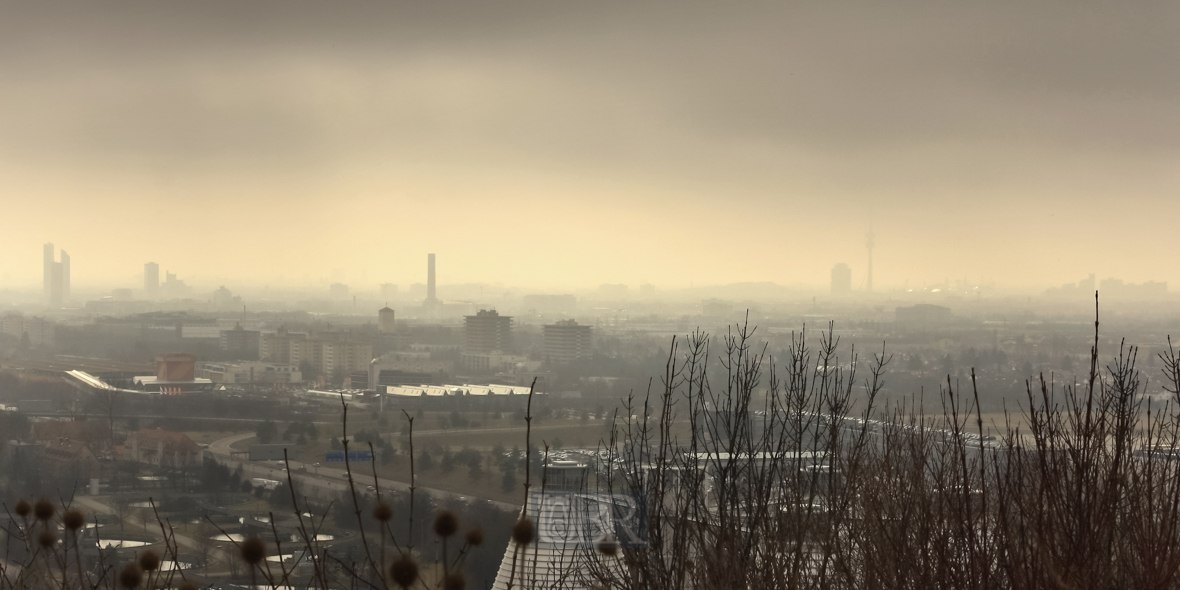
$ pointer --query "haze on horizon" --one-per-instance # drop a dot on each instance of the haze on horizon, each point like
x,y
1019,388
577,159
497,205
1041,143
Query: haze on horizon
x,y
563,145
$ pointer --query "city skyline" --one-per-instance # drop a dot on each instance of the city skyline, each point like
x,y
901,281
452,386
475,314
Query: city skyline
x,y
564,146
853,280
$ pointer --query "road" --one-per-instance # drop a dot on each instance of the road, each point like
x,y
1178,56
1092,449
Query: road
x,y
327,481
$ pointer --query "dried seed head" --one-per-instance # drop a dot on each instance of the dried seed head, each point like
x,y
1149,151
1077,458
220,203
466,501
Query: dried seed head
x,y
149,561
47,539
382,512
253,551
475,537
404,571
454,581
73,519
23,509
131,576
607,546
446,524
522,531
44,509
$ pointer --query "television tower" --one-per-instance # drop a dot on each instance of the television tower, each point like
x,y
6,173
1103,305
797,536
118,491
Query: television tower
x,y
870,240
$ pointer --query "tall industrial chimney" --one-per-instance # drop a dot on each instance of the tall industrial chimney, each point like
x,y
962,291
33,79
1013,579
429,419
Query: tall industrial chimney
x,y
431,298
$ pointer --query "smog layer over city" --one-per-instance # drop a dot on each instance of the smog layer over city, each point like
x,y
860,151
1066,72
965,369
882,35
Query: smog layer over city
x,y
391,295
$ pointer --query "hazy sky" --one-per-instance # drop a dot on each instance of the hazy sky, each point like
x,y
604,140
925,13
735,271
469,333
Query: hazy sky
x,y
566,144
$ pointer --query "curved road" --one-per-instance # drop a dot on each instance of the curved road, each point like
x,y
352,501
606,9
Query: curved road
x,y
327,480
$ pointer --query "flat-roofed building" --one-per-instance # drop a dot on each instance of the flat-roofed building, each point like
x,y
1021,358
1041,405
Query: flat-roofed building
x,y
566,341
176,367
38,331
486,331
241,343
151,279
288,348
250,372
386,323
176,373
328,352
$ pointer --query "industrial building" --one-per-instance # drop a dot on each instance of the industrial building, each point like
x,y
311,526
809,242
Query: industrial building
x,y
449,396
431,294
175,374
249,372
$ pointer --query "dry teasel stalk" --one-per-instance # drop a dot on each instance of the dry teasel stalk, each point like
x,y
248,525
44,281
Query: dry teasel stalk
x,y
253,551
474,537
522,531
149,561
73,520
454,581
446,524
44,510
382,512
131,576
404,571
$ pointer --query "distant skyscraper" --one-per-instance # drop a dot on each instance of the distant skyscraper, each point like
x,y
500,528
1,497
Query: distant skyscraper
x,y
431,294
56,275
841,278
151,278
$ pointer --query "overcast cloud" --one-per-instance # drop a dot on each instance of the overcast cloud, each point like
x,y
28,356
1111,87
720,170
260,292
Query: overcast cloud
x,y
568,144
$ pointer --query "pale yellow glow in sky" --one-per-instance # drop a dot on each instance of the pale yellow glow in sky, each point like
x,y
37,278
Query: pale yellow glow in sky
x,y
561,147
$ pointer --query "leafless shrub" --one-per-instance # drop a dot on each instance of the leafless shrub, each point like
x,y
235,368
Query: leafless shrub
x,y
787,474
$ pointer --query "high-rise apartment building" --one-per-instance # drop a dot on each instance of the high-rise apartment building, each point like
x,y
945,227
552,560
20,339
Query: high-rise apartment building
x,y
566,341
242,344
328,352
288,348
36,331
56,275
151,278
487,331
386,321
841,279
